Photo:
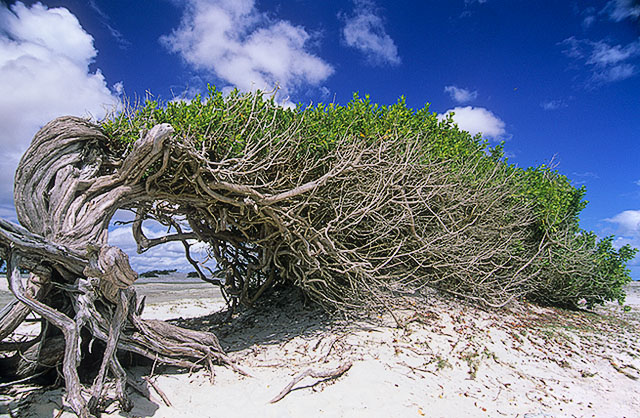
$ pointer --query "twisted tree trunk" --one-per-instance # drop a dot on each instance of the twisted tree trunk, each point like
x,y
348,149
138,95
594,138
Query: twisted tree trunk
x,y
67,189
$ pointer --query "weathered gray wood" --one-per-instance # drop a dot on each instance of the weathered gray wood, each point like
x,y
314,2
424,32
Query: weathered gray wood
x,y
109,359
42,355
67,188
65,324
15,312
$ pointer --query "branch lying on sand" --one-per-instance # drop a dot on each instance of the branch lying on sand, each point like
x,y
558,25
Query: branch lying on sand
x,y
159,391
324,375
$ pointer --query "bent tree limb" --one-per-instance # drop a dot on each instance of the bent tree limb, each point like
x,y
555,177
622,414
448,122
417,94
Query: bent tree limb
x,y
60,320
67,189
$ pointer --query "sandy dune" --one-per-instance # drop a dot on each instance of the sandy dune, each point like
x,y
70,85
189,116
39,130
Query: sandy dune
x,y
450,359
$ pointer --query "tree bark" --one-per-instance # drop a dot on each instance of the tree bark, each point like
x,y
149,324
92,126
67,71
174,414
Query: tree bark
x,y
67,189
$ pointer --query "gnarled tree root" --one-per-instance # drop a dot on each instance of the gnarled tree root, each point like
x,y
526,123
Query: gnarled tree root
x,y
68,187
120,328
328,374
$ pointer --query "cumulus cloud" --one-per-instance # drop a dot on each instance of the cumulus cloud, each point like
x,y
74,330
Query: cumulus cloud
x,y
245,48
163,257
365,31
628,230
628,223
607,63
44,73
461,95
477,120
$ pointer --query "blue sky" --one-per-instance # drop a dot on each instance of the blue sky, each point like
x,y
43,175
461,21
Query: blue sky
x,y
557,80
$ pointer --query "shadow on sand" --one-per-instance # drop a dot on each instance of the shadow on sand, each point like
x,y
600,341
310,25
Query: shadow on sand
x,y
275,319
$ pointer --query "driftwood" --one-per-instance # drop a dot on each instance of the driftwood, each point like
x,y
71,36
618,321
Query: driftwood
x,y
67,189
326,374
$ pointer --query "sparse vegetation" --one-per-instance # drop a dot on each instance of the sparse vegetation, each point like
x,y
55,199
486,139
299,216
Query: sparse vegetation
x,y
156,273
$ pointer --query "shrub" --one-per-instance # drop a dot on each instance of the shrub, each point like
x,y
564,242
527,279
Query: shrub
x,y
392,200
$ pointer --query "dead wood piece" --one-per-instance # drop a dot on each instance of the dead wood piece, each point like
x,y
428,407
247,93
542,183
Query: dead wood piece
x,y
328,374
111,266
621,370
67,188
40,356
109,359
65,324
14,313
23,380
159,391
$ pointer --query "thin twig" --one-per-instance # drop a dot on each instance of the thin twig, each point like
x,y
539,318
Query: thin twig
x,y
26,379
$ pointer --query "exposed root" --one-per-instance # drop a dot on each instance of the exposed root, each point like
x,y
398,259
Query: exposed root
x,y
67,189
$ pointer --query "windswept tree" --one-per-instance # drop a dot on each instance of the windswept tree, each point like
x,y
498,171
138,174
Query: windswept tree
x,y
357,205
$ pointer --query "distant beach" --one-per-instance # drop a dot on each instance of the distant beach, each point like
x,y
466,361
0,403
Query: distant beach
x,y
177,286
174,286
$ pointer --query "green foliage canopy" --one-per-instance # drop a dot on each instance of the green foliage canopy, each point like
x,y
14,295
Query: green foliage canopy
x,y
575,265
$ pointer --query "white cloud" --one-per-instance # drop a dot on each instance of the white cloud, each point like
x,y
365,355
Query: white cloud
x,y
628,230
573,48
607,63
163,257
610,62
44,73
617,73
365,31
243,47
477,120
553,104
628,223
588,21
604,54
461,95
619,10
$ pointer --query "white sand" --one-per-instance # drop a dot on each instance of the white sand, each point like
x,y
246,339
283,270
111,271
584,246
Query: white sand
x,y
453,361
